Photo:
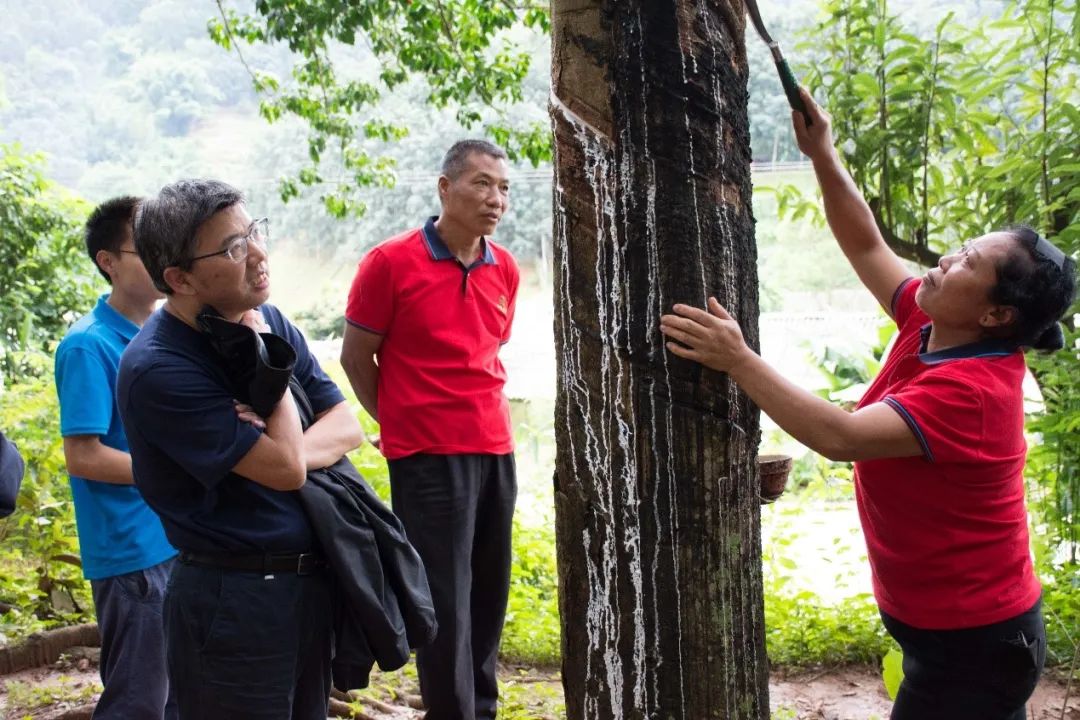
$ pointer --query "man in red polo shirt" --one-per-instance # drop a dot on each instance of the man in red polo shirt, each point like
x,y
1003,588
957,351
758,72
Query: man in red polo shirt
x,y
427,313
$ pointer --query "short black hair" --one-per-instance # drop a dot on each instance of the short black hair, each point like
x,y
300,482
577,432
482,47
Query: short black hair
x,y
105,227
165,224
453,163
1040,290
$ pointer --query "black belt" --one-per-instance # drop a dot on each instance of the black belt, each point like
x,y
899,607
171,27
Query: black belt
x,y
299,563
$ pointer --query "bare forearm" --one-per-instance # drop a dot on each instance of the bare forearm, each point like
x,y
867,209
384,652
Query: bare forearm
x,y
278,459
335,433
812,420
364,378
88,458
715,340
284,430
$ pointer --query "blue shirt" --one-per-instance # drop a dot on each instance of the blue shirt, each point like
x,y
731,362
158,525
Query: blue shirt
x,y
118,532
186,438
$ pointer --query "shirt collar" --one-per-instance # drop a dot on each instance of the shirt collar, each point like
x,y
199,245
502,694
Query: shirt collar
x,y
980,348
107,315
439,251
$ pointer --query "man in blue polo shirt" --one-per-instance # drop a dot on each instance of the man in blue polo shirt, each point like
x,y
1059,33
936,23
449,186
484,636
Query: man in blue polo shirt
x,y
248,612
124,551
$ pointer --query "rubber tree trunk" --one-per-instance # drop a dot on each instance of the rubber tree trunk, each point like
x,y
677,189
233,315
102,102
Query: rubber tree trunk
x,y
657,508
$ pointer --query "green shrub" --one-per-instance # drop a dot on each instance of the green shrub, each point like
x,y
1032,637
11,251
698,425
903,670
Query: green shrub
x,y
532,634
40,575
47,279
799,630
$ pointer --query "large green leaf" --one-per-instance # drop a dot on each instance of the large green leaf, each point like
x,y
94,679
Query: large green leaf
x,y
892,671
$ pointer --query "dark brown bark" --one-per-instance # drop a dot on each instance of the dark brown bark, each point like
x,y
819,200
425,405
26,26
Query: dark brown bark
x,y
656,496
45,648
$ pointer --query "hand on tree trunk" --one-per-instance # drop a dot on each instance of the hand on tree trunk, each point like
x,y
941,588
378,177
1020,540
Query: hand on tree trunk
x,y
711,338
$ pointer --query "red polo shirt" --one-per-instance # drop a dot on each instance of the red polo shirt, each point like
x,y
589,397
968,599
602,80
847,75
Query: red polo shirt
x,y
440,377
946,533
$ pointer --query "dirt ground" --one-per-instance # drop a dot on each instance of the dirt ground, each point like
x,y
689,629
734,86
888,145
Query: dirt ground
x,y
852,693
857,693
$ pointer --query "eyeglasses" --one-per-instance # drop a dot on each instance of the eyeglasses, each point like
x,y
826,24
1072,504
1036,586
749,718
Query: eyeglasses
x,y
237,250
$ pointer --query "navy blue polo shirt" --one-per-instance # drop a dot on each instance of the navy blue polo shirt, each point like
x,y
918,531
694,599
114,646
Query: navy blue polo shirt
x,y
185,438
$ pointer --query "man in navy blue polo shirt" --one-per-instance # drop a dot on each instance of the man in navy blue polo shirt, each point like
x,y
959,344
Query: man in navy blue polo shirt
x,y
248,615
124,551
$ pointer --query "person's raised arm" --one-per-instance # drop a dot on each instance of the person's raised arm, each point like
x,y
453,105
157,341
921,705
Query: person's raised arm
x,y
849,216
714,339
358,349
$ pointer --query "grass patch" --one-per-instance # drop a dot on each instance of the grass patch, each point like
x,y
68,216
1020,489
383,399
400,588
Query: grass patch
x,y
532,635
527,696
25,697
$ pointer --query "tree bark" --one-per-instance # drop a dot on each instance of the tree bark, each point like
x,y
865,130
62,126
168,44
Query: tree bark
x,y
656,497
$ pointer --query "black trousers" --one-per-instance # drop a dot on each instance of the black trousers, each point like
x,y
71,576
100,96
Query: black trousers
x,y
244,646
458,512
980,673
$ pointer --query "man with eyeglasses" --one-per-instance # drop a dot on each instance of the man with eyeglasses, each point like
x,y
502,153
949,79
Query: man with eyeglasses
x,y
125,554
248,614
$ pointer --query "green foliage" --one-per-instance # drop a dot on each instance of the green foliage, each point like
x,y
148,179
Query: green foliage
x,y
321,319
1061,608
26,697
771,138
848,371
892,671
800,631
526,697
971,128
813,470
888,91
40,574
532,634
466,54
391,687
179,92
1055,551
461,48
800,627
44,276
1054,452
